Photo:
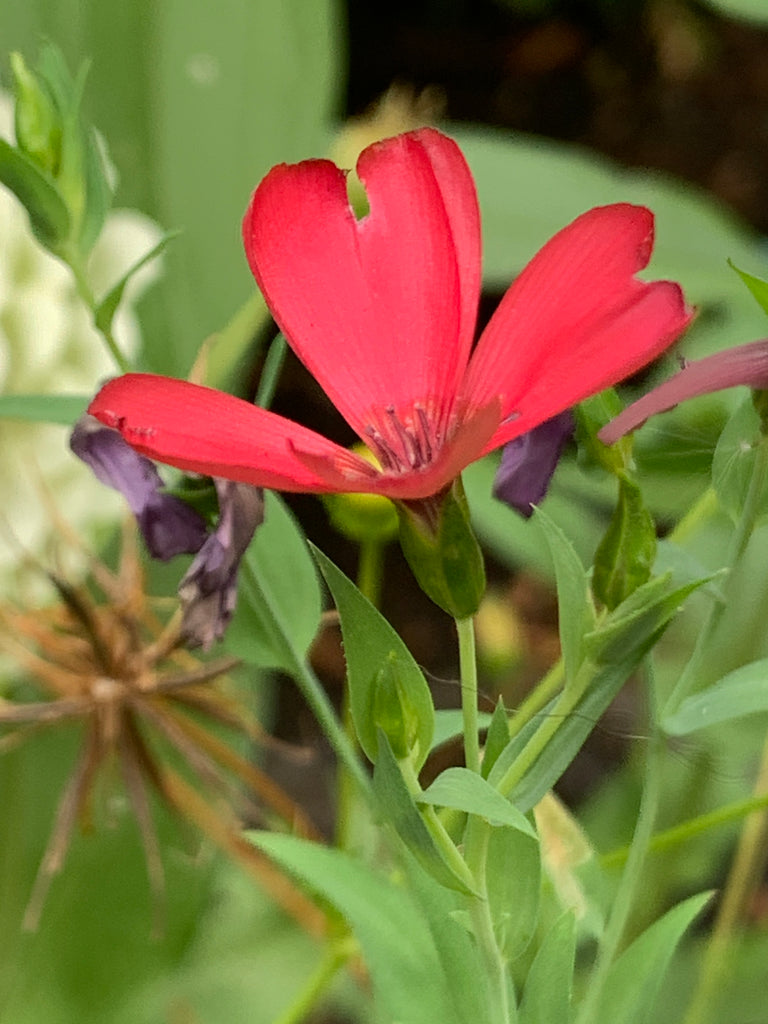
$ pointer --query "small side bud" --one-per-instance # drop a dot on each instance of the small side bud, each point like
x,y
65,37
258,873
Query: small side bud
x,y
38,133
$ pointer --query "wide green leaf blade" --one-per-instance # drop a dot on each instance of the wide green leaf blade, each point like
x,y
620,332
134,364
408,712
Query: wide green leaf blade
x,y
370,643
547,992
61,409
513,877
464,790
279,603
632,986
741,692
408,980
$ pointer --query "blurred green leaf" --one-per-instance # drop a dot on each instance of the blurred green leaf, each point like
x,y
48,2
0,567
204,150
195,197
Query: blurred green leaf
x,y
734,460
576,613
547,993
63,409
634,981
742,692
408,980
514,893
42,200
748,10
449,724
464,790
279,602
369,643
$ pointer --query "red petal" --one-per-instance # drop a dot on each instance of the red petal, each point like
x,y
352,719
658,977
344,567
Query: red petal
x,y
576,320
206,431
380,310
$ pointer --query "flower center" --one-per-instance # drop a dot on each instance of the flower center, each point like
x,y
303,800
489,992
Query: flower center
x,y
403,442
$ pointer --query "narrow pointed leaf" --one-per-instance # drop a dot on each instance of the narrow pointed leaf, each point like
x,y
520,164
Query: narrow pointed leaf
x,y
62,409
633,984
106,309
741,692
46,208
547,993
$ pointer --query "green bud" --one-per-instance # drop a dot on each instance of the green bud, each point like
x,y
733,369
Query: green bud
x,y
38,131
439,545
593,414
393,710
363,518
625,556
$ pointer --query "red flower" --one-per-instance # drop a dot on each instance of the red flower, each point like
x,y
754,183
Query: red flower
x,y
382,311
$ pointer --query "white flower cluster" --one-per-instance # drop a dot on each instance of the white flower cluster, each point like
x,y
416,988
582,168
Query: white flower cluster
x,y
48,345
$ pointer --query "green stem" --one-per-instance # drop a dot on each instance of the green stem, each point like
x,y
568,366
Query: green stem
x,y
323,710
336,956
465,629
739,541
86,294
370,570
744,876
270,373
476,844
671,838
630,879
538,698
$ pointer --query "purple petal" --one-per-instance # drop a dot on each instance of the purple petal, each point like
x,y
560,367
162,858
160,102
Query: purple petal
x,y
208,591
169,526
745,364
528,462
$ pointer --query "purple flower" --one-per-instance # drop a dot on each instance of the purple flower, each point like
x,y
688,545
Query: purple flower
x,y
208,591
528,462
169,526
745,364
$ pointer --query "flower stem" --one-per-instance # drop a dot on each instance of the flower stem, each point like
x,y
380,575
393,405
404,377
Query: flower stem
x,y
671,838
476,843
628,886
744,875
465,629
335,957
86,294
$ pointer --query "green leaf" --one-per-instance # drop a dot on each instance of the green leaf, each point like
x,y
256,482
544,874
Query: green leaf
x,y
48,213
98,192
741,692
756,285
625,555
400,810
107,307
548,985
631,629
633,984
408,980
279,603
734,460
497,738
576,614
464,790
370,643
445,912
513,875
449,725
62,409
